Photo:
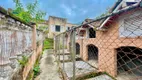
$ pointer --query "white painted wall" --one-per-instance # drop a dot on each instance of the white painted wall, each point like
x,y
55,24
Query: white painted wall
x,y
53,28
131,25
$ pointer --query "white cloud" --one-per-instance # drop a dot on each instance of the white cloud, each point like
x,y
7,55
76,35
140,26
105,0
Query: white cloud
x,y
67,10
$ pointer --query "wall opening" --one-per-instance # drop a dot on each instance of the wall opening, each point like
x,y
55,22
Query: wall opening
x,y
92,33
92,52
129,61
93,55
77,49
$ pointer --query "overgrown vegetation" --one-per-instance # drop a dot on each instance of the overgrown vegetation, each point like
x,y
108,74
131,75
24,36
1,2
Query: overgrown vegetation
x,y
30,75
36,69
23,61
48,43
28,13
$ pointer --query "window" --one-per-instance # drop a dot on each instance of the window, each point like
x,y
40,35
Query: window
x,y
92,33
57,27
68,28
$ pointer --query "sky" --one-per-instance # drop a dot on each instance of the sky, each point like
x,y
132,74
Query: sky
x,y
74,10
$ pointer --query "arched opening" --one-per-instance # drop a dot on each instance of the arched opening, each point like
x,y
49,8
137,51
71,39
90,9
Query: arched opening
x,y
92,52
92,55
92,33
77,49
129,62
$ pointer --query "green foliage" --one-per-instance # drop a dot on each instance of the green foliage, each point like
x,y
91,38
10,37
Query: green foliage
x,y
23,61
36,70
30,13
48,43
30,75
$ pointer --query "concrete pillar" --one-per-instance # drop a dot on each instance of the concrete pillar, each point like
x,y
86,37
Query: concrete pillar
x,y
34,37
81,48
85,52
108,62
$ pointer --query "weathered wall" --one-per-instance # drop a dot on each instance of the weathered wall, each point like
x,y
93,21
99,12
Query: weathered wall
x,y
55,21
37,45
29,66
62,22
15,39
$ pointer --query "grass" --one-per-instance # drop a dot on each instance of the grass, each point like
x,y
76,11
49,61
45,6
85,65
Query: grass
x,y
48,43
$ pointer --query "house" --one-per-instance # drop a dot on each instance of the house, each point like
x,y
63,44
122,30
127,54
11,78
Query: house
x,y
116,42
43,25
57,25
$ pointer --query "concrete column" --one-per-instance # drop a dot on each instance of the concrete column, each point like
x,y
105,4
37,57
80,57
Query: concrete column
x,y
113,63
81,48
85,52
34,37
87,33
108,62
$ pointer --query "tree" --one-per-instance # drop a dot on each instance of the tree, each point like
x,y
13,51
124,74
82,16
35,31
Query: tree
x,y
30,13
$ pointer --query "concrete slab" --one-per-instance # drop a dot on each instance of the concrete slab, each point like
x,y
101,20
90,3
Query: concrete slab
x,y
66,57
126,76
101,77
81,68
93,63
49,67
